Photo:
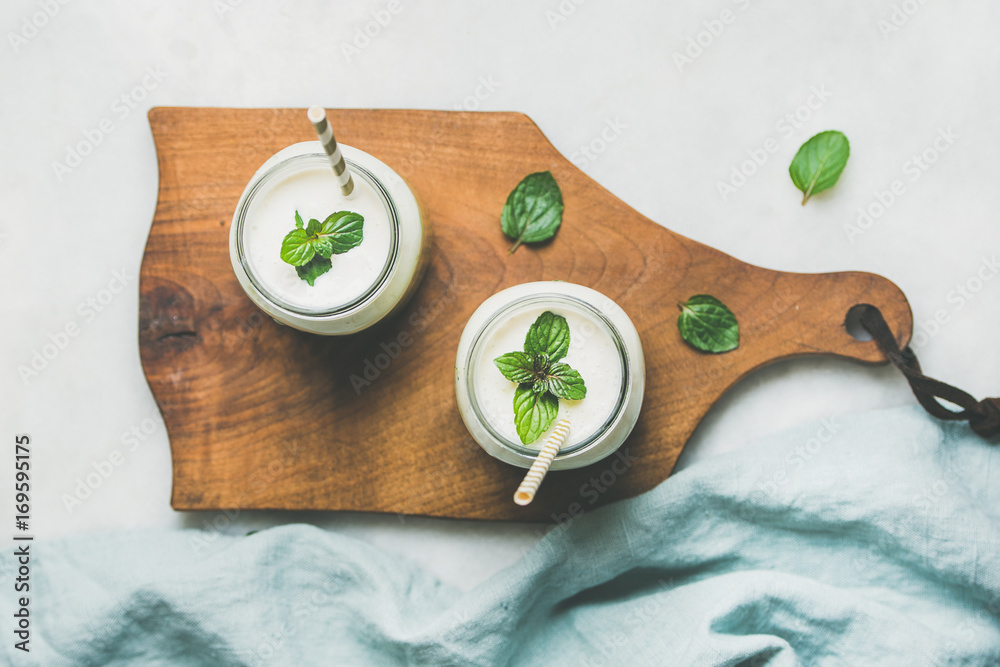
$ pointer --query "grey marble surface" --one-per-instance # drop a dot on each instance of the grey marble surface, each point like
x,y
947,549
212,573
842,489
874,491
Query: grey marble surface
x,y
659,102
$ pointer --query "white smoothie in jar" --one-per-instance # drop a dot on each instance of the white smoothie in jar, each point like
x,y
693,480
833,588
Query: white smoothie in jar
x,y
604,349
592,352
314,193
366,283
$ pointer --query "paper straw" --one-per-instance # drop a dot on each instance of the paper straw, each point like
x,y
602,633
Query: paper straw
x,y
317,116
526,492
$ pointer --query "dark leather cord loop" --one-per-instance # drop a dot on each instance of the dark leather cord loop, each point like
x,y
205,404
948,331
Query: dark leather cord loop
x,y
983,416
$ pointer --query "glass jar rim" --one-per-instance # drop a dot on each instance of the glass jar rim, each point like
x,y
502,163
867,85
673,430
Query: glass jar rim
x,y
533,300
285,167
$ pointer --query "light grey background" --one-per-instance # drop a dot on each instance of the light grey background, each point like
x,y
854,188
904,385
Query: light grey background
x,y
662,134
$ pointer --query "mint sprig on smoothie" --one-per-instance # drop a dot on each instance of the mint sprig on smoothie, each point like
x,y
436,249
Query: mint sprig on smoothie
x,y
541,377
310,246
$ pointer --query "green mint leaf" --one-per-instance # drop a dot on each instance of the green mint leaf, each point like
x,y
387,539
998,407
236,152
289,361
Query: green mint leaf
x,y
542,379
517,367
819,162
533,210
708,325
312,270
345,230
533,413
323,246
297,248
549,335
310,245
565,382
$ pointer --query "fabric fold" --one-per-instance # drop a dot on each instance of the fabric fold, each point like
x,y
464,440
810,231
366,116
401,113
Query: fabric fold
x,y
864,540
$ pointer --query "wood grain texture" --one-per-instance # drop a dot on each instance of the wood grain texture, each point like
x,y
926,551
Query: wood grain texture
x,y
263,416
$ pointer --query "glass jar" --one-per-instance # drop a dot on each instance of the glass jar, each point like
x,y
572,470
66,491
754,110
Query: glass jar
x,y
365,284
604,348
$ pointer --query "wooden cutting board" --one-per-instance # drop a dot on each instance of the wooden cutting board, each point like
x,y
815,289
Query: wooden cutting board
x,y
263,416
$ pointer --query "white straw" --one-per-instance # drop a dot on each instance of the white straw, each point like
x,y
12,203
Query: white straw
x,y
526,492
317,116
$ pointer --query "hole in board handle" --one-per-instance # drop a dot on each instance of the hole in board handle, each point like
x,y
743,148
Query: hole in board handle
x,y
853,323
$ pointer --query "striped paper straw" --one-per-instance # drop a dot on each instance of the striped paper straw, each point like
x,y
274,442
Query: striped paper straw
x,y
317,116
526,492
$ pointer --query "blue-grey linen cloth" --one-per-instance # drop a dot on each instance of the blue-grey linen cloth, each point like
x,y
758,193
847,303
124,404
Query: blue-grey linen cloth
x,y
868,540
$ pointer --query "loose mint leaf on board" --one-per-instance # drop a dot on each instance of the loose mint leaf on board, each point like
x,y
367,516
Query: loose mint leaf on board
x,y
534,413
819,162
345,230
533,210
517,367
312,270
565,382
549,335
708,325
